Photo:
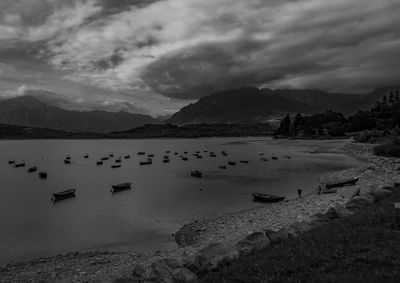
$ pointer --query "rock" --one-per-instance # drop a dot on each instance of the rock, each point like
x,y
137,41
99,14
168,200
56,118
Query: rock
x,y
184,275
210,256
253,242
338,212
382,191
160,272
139,272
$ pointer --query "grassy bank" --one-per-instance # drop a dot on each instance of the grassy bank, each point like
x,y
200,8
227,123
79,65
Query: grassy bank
x,y
362,248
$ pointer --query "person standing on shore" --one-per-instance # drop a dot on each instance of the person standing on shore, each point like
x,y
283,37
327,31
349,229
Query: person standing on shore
x,y
299,192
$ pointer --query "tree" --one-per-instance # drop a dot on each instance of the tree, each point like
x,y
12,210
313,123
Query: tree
x,y
284,127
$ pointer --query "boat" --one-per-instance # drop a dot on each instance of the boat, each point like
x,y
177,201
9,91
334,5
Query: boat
x,y
222,167
264,159
11,162
199,156
17,165
104,158
260,153
150,155
99,163
232,163
168,151
32,169
116,166
185,158
185,152
166,160
274,158
86,156
118,161
213,155
267,198
121,187
111,155
196,174
244,161
224,154
341,183
63,195
68,157
127,156
141,153
42,175
329,191
175,153
67,161
148,162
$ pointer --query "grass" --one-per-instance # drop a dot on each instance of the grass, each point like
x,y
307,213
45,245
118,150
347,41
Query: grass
x,y
362,248
389,148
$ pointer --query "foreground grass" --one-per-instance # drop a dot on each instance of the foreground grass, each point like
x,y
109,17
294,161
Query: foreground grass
x,y
362,248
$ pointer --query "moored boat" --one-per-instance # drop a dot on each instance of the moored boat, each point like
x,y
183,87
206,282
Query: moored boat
x,y
63,195
141,153
244,161
116,166
274,158
121,187
86,156
222,167
267,198
17,165
185,158
98,163
196,174
341,183
11,162
118,161
127,156
42,175
32,169
264,159
67,161
148,162
232,163
166,160
104,158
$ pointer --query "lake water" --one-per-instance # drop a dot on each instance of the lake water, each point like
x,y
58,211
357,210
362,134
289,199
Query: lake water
x,y
163,196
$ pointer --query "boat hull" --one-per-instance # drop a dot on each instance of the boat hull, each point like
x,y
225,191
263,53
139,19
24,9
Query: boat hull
x,y
267,198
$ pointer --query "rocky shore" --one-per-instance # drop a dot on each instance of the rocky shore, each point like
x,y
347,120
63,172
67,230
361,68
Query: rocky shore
x,y
193,237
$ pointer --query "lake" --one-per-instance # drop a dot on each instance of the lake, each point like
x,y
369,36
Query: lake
x,y
163,196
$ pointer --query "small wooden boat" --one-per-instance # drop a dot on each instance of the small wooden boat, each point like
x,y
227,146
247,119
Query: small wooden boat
x,y
127,156
264,159
11,162
141,153
341,183
98,163
111,155
104,158
63,195
244,161
68,157
274,158
42,175
232,163
116,166
175,153
185,158
222,167
199,156
150,155
213,155
260,153
266,198
67,161
168,151
32,169
185,152
121,187
196,174
288,156
148,162
118,161
86,156
166,160
224,154
17,165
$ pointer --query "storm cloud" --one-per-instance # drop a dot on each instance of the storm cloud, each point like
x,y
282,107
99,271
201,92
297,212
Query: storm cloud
x,y
158,55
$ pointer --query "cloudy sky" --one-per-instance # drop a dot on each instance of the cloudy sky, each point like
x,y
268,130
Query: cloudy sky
x,y
154,56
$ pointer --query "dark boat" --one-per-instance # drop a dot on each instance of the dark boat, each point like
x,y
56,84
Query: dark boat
x,y
86,156
213,155
121,187
17,165
341,183
63,195
233,163
274,158
150,155
127,156
148,162
32,169
244,161
99,163
168,151
67,161
111,155
42,175
199,156
141,153
11,162
68,157
267,198
104,158
185,152
185,158
196,174
118,161
166,160
116,166
175,153
263,159
222,167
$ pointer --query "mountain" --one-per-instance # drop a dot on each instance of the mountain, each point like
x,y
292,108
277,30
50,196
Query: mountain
x,y
30,111
321,100
377,95
238,105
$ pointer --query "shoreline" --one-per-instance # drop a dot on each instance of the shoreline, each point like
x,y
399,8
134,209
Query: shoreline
x,y
106,266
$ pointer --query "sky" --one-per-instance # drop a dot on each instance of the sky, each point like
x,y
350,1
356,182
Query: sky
x,y
155,56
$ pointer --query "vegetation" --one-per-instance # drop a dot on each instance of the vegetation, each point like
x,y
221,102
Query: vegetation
x,y
389,148
364,247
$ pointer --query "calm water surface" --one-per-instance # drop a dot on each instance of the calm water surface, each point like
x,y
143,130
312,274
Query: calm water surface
x,y
163,197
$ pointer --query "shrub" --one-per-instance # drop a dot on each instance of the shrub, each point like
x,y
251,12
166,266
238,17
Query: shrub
x,y
389,148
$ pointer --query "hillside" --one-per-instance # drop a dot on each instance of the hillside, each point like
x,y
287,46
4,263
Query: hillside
x,y
30,111
238,105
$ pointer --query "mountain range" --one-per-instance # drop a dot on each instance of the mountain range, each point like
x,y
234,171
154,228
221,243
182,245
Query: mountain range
x,y
258,105
30,111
